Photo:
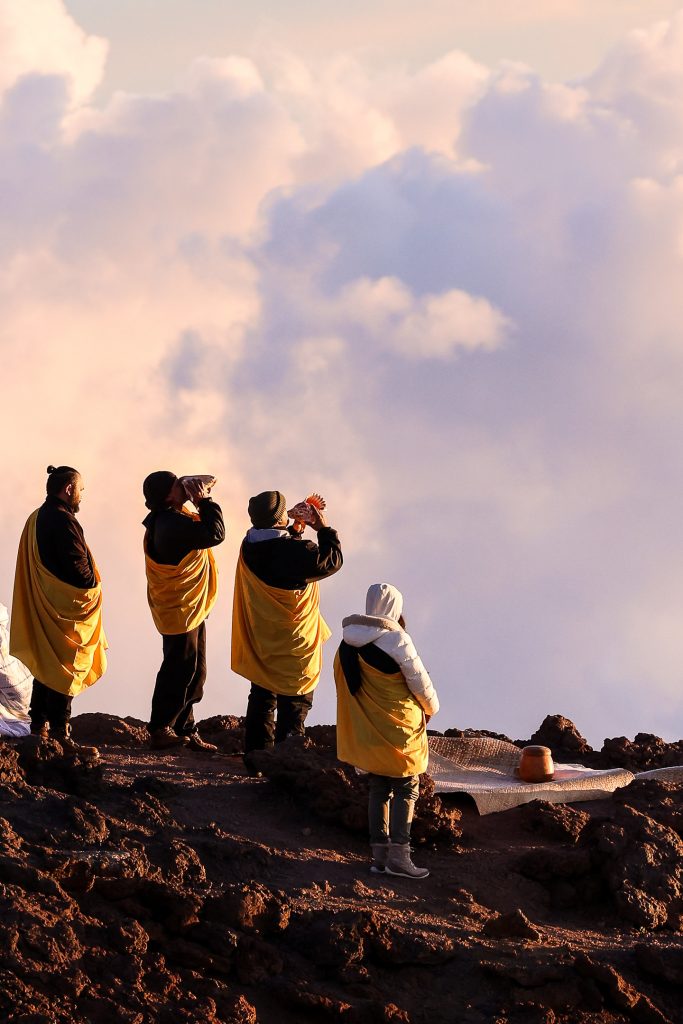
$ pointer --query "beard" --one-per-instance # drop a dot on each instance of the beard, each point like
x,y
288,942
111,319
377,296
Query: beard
x,y
74,505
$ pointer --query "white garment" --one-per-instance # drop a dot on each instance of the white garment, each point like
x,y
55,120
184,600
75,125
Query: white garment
x,y
379,626
16,683
254,535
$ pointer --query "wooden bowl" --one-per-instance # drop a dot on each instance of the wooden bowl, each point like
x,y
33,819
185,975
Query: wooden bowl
x,y
536,764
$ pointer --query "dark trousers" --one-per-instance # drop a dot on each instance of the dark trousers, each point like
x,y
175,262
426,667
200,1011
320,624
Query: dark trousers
x,y
49,707
390,807
180,681
261,730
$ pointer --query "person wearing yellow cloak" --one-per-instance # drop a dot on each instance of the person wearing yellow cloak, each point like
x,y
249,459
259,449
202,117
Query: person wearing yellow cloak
x,y
182,584
56,625
277,628
384,699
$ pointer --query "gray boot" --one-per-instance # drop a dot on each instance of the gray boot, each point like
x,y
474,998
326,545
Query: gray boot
x,y
399,862
380,852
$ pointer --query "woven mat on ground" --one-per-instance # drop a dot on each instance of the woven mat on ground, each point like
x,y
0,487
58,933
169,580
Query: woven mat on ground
x,y
673,774
485,767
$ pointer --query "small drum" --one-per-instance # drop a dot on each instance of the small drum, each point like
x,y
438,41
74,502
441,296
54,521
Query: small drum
x,y
536,764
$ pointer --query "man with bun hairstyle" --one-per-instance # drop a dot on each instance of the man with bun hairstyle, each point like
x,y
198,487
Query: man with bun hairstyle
x,y
182,583
56,625
277,628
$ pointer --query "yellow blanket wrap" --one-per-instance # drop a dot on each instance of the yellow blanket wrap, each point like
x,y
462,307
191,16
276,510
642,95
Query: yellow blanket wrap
x,y
381,728
277,635
56,628
181,596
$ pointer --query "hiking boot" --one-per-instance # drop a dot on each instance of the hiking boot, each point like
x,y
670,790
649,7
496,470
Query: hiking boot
x,y
166,739
380,852
399,862
73,749
195,742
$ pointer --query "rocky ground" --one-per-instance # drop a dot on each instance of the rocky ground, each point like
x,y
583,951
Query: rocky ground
x,y
175,888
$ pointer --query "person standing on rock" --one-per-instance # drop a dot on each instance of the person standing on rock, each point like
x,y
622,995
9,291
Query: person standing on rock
x,y
182,584
56,628
384,700
277,628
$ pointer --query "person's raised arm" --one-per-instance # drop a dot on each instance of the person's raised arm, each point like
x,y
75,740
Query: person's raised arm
x,y
190,534
324,558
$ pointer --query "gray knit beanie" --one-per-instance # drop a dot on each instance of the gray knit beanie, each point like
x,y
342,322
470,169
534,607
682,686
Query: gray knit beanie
x,y
266,509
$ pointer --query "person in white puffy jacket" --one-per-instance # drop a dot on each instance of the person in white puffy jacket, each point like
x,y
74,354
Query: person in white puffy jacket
x,y
384,700
16,683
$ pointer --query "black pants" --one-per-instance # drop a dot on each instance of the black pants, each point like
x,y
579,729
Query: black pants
x,y
261,730
180,681
49,706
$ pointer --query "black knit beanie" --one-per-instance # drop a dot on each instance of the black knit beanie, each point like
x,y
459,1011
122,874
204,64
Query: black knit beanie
x,y
266,509
156,489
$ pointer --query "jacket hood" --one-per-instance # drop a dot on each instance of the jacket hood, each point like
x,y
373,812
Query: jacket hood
x,y
383,607
384,601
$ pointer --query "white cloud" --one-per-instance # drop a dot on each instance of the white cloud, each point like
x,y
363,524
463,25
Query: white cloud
x,y
38,37
429,327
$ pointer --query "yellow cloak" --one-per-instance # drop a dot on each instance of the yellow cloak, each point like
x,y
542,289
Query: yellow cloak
x,y
277,635
381,728
181,596
56,628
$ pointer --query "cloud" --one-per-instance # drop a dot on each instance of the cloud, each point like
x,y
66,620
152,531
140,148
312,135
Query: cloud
x,y
38,37
447,299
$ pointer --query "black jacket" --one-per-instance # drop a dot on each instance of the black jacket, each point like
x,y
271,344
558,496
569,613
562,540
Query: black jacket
x,y
291,562
171,535
61,544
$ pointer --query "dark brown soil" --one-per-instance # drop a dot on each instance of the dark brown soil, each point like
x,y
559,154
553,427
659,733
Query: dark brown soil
x,y
175,888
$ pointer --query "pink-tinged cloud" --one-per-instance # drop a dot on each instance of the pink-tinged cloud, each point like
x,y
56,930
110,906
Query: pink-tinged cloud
x,y
38,37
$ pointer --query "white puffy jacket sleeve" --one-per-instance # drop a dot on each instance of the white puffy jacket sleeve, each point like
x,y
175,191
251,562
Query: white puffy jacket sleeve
x,y
401,648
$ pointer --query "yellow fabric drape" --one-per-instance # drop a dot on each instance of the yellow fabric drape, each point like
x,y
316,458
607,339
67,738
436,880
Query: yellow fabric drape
x,y
381,728
277,635
56,628
181,596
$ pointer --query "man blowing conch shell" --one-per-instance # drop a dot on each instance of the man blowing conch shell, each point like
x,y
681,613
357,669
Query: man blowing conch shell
x,y
277,628
56,628
182,584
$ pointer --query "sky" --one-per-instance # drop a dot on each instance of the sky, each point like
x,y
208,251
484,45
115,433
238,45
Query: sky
x,y
429,266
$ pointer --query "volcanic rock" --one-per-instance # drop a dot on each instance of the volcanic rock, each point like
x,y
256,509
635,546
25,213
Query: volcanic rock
x,y
515,925
663,963
99,730
11,775
618,992
631,859
251,907
556,821
563,738
641,754
226,731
